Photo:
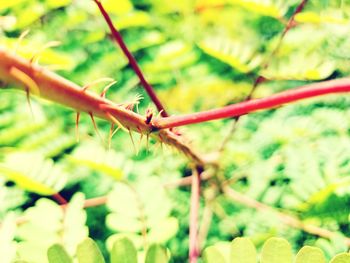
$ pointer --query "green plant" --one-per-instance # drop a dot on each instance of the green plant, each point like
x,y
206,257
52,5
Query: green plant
x,y
288,165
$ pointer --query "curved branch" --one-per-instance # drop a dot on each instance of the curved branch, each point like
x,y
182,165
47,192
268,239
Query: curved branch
x,y
132,61
60,90
273,101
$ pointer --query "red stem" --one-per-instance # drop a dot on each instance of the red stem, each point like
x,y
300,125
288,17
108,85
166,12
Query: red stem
x,y
291,21
59,199
97,201
194,211
132,61
238,109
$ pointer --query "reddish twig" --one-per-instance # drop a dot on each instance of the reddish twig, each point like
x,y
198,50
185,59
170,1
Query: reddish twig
x,y
273,101
132,61
59,199
97,201
285,218
265,65
291,21
194,215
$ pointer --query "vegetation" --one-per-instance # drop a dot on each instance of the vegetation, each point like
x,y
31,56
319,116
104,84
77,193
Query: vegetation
x,y
96,148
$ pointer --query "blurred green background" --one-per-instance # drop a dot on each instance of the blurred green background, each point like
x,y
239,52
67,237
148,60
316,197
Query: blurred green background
x,y
198,55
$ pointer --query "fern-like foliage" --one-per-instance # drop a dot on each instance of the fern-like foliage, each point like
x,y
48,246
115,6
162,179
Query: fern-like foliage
x,y
240,250
314,67
242,57
65,226
33,173
97,158
123,251
297,158
273,8
8,245
274,250
143,215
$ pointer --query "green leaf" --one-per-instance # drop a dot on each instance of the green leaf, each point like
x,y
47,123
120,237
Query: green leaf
x,y
88,252
30,171
57,254
341,258
276,250
118,8
163,231
267,7
310,255
212,255
156,254
52,4
95,157
133,19
9,4
74,228
240,56
243,251
123,251
315,67
125,201
7,235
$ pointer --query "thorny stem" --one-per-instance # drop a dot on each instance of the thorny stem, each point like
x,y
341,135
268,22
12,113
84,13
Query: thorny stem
x,y
46,84
242,108
194,215
132,61
55,88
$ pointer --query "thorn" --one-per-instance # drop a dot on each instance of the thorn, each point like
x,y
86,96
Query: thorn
x,y
29,103
37,54
20,39
114,120
77,126
25,79
137,99
89,85
160,114
111,134
29,83
147,142
132,140
135,102
103,94
95,126
140,141
149,115
115,131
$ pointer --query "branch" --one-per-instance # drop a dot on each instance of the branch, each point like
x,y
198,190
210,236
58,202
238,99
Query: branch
x,y
132,61
285,218
59,199
39,81
273,101
194,214
265,65
241,199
